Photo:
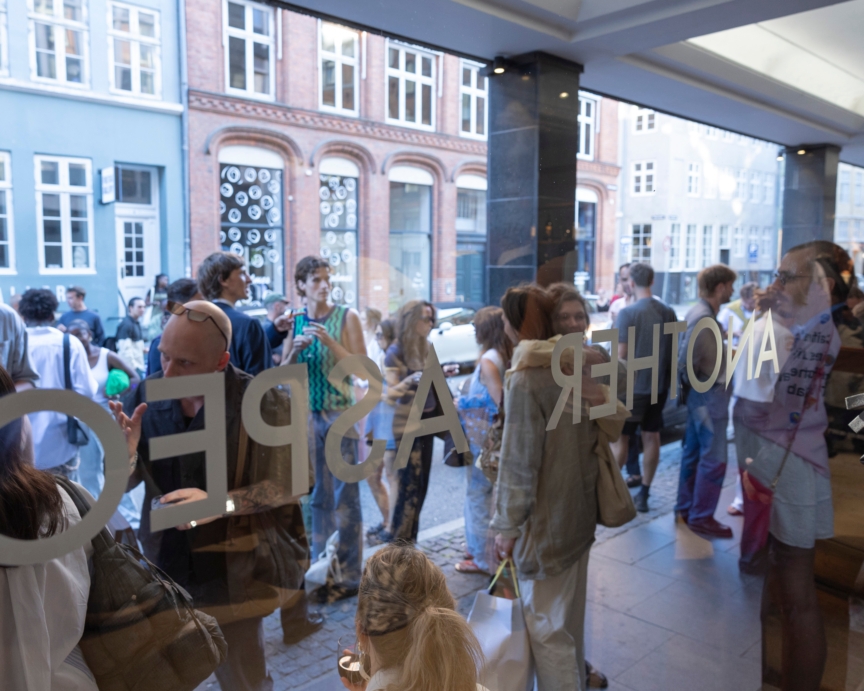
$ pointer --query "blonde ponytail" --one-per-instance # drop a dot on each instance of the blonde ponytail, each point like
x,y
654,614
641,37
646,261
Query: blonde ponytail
x,y
408,612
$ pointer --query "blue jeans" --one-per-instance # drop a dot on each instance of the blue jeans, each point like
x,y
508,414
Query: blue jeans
x,y
336,504
703,459
478,515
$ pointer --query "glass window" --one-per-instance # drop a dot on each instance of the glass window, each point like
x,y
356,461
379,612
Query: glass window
x,y
768,180
641,243
843,187
694,179
410,243
134,48
741,185
675,247
707,246
133,185
587,127
473,94
738,241
64,212
471,211
644,120
767,248
60,39
859,188
338,215
249,58
755,186
643,177
723,238
7,240
339,53
250,204
690,241
410,91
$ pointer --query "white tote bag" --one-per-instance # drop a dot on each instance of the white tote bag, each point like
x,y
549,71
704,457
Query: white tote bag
x,y
499,625
326,564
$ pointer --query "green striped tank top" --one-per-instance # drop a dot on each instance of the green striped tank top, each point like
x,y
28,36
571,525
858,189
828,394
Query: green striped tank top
x,y
320,361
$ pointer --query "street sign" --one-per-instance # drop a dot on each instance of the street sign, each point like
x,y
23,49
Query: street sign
x,y
753,252
108,185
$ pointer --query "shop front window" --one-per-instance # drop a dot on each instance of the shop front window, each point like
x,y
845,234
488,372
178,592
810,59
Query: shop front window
x,y
471,239
337,206
410,242
251,227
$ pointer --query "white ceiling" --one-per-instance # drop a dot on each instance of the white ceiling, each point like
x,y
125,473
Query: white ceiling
x,y
790,71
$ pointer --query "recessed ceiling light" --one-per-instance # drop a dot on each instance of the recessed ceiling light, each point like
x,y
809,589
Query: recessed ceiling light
x,y
779,157
563,94
801,152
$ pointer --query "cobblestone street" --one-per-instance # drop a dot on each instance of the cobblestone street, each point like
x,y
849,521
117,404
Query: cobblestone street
x,y
311,664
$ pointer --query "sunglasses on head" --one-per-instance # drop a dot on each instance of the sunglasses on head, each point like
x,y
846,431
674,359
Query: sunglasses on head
x,y
194,316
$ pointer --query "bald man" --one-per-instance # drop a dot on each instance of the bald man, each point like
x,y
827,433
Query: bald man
x,y
198,342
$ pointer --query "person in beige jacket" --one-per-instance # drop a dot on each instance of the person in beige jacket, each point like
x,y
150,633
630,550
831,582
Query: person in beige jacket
x,y
546,509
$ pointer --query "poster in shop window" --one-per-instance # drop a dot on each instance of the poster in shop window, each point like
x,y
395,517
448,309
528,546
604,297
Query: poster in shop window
x,y
250,203
337,206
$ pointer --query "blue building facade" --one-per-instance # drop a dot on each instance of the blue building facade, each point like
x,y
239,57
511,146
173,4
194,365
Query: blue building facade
x,y
91,158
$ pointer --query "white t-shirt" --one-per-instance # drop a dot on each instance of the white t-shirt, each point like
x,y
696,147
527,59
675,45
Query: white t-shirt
x,y
761,388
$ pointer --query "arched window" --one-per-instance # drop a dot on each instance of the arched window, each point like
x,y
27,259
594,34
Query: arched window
x,y
338,211
250,204
410,235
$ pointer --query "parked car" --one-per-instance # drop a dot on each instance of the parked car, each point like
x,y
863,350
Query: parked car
x,y
453,334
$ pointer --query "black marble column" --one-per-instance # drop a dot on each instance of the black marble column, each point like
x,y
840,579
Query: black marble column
x,y
531,198
809,194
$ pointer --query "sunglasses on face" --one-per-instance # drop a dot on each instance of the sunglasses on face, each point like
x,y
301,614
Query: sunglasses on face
x,y
194,316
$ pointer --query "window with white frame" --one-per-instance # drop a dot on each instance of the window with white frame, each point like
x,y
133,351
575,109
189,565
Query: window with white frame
x,y
859,232
727,183
410,86
738,241
741,186
473,92
643,177
768,181
843,187
7,239
64,214
707,246
690,240
767,242
644,121
694,179
859,188
249,29
339,58
675,247
133,48
755,186
723,238
587,127
4,41
641,243
58,40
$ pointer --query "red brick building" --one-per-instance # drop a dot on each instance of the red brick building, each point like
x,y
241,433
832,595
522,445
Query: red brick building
x,y
311,138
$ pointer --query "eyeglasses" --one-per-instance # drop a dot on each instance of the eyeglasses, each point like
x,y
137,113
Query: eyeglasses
x,y
194,316
786,277
431,320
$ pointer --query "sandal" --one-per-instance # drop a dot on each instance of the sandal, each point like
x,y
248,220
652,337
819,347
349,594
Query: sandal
x,y
595,679
374,530
468,566
633,481
734,511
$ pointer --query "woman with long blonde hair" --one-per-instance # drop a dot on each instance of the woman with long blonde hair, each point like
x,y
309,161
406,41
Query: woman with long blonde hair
x,y
408,627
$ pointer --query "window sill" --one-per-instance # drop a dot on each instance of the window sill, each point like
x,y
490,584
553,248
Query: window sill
x,y
9,272
122,93
249,95
410,125
476,137
338,111
86,95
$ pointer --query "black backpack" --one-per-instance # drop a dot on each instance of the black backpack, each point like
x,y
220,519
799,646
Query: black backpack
x,y
142,631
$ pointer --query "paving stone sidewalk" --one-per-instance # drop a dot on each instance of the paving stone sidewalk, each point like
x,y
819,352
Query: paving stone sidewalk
x,y
311,664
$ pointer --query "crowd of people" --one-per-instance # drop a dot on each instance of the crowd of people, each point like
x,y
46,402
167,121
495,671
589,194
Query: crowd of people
x,y
539,509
